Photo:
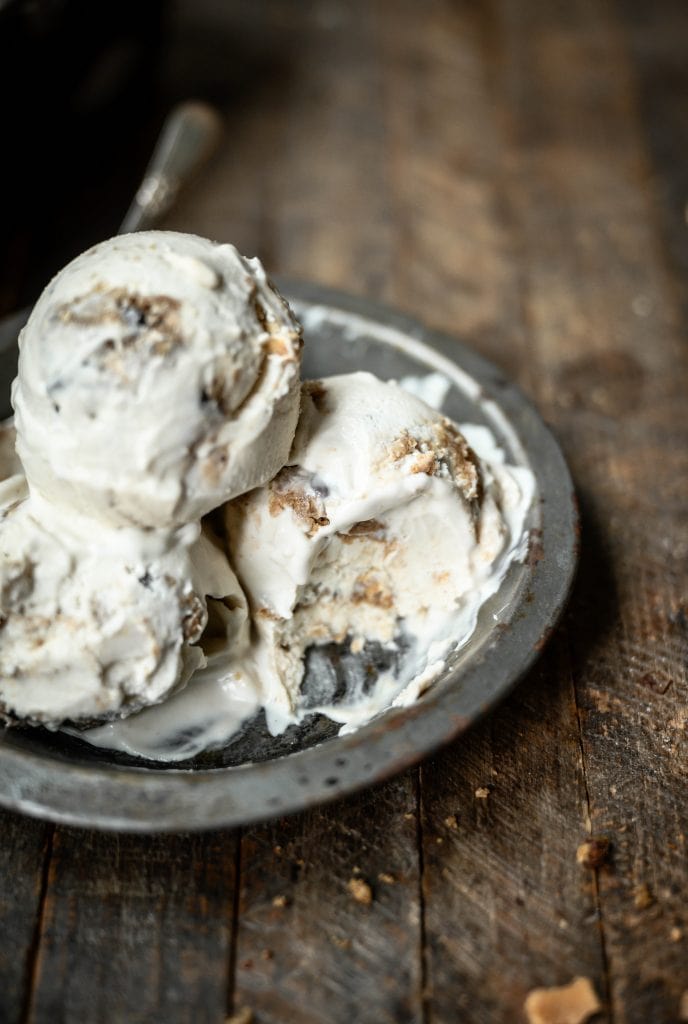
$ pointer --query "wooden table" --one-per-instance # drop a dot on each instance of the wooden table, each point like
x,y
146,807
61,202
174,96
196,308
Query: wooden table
x,y
512,172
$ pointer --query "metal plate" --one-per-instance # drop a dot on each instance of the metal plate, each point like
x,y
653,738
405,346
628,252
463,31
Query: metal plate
x,y
255,777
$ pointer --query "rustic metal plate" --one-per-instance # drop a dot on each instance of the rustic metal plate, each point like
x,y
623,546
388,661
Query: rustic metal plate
x,y
51,775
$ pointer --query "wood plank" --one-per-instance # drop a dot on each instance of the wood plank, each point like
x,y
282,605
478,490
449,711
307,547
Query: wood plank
x,y
249,73
300,179
136,929
657,41
612,373
455,255
329,925
23,855
507,908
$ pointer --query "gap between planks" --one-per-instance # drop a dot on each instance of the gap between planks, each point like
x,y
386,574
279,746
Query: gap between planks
x,y
234,927
588,812
34,948
422,944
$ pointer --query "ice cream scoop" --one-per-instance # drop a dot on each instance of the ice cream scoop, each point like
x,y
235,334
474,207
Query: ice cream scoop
x,y
158,377
385,529
367,558
101,623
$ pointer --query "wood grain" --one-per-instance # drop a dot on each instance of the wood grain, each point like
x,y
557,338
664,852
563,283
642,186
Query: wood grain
x,y
135,929
329,923
659,79
507,907
301,178
23,855
612,374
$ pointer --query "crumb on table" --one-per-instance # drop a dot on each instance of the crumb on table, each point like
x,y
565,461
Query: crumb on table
x,y
567,1004
593,852
360,890
243,1016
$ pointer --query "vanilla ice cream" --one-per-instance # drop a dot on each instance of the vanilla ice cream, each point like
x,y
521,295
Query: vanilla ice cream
x,y
100,622
384,528
158,377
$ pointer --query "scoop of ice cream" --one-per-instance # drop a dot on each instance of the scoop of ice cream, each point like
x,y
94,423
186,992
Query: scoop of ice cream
x,y
95,625
158,377
384,528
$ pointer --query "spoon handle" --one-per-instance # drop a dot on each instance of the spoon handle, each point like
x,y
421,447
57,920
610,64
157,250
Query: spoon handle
x,y
188,137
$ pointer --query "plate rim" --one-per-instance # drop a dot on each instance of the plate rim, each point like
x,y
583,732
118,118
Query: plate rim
x,y
146,800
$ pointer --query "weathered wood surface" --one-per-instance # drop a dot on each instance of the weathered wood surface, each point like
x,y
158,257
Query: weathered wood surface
x,y
24,855
134,929
513,172
329,913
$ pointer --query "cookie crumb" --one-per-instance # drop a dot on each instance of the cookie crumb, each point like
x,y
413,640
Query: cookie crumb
x,y
360,891
450,821
642,897
242,1016
675,934
279,901
409,817
593,852
385,877
566,1004
482,792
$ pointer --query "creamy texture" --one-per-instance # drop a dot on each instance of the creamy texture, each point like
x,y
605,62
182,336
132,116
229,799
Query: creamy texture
x,y
383,529
101,623
158,377
204,715
431,388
